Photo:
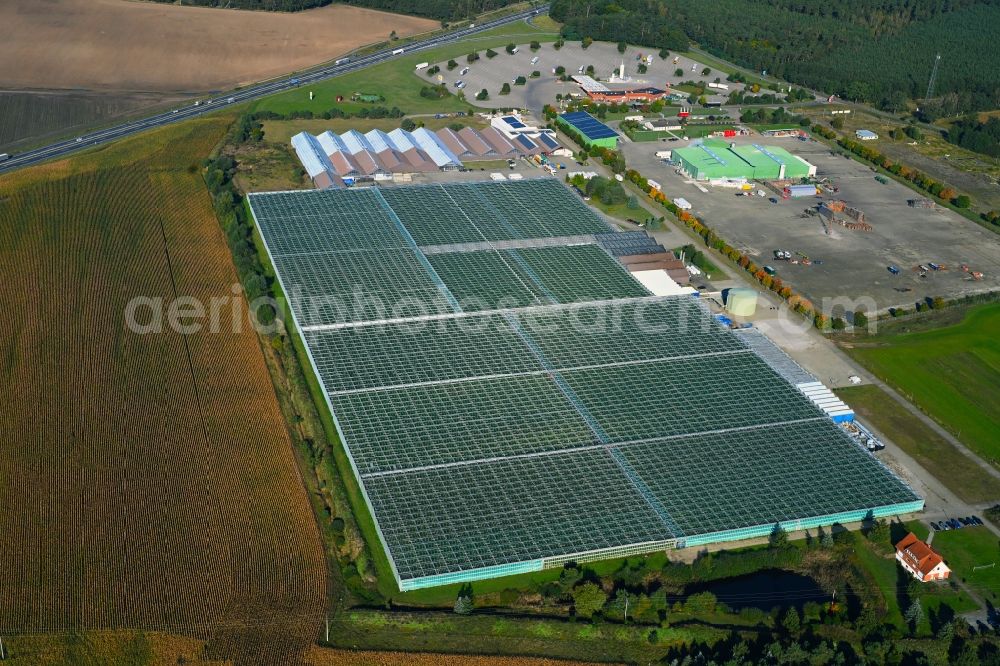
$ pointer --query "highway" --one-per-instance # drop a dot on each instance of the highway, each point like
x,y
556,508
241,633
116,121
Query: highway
x,y
104,136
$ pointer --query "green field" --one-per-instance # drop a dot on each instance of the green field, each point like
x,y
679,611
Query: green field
x,y
960,473
952,374
970,547
395,80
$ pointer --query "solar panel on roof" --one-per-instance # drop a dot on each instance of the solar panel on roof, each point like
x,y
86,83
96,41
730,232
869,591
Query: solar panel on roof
x,y
513,122
548,141
525,141
590,126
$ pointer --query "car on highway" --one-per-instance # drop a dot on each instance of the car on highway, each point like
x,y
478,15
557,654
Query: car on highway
x,y
773,200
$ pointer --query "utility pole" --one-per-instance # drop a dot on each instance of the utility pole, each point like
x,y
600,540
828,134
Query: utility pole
x,y
626,607
930,84
3,652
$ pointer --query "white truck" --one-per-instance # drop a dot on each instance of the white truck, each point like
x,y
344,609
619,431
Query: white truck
x,y
342,61
514,51
422,65
534,61
718,86
664,154
4,157
397,52
682,203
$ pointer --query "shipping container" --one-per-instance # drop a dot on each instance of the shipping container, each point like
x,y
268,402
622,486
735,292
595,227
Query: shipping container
x,y
799,191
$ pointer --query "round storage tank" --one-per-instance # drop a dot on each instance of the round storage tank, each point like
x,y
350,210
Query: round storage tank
x,y
741,302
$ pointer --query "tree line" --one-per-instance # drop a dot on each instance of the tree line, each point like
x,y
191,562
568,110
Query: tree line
x,y
639,22
878,52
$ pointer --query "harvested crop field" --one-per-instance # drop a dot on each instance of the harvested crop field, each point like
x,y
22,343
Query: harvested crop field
x,y
148,479
139,46
34,115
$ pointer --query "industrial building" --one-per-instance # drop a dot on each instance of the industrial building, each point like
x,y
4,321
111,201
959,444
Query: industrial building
x,y
337,159
599,92
591,130
719,160
441,423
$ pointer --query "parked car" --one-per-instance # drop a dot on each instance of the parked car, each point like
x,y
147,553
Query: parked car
x,y
773,200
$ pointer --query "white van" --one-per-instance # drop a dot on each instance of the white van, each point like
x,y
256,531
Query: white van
x,y
534,61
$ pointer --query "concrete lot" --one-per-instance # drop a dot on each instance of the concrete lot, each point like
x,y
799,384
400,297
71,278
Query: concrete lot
x,y
492,73
854,262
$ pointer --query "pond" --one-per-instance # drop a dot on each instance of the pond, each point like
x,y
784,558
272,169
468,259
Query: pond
x,y
763,589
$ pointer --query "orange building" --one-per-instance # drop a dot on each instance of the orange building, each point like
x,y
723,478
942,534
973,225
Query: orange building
x,y
920,559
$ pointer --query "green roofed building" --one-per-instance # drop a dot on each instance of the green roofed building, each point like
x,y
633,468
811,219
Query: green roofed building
x,y
590,129
720,160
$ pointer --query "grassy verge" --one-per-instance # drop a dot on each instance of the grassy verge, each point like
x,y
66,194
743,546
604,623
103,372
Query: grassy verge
x,y
968,548
726,68
952,374
396,81
498,635
962,475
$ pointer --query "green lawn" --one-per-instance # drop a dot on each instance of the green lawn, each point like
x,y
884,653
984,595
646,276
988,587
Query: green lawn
x,y
961,474
952,373
881,563
395,80
970,547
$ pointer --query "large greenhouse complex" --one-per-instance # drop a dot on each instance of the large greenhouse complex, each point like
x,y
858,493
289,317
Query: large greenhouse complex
x,y
715,159
511,399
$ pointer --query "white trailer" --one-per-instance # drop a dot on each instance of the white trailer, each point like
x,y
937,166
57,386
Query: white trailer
x,y
682,203
718,86
398,52
652,183
664,154
422,65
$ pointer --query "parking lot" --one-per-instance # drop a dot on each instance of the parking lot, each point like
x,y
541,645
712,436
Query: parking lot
x,y
491,74
853,263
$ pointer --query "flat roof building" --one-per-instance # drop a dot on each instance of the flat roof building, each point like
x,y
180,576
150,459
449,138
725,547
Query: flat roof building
x,y
719,160
590,129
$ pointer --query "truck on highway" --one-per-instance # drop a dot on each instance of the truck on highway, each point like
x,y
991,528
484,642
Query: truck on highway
x,y
398,52
4,157
342,61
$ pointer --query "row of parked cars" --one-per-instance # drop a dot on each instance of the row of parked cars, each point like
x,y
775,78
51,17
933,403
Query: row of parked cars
x,y
957,523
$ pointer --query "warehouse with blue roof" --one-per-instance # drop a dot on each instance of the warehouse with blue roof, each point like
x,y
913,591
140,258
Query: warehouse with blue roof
x,y
591,130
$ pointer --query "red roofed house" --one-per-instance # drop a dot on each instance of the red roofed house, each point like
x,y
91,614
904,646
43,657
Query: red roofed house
x,y
920,559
